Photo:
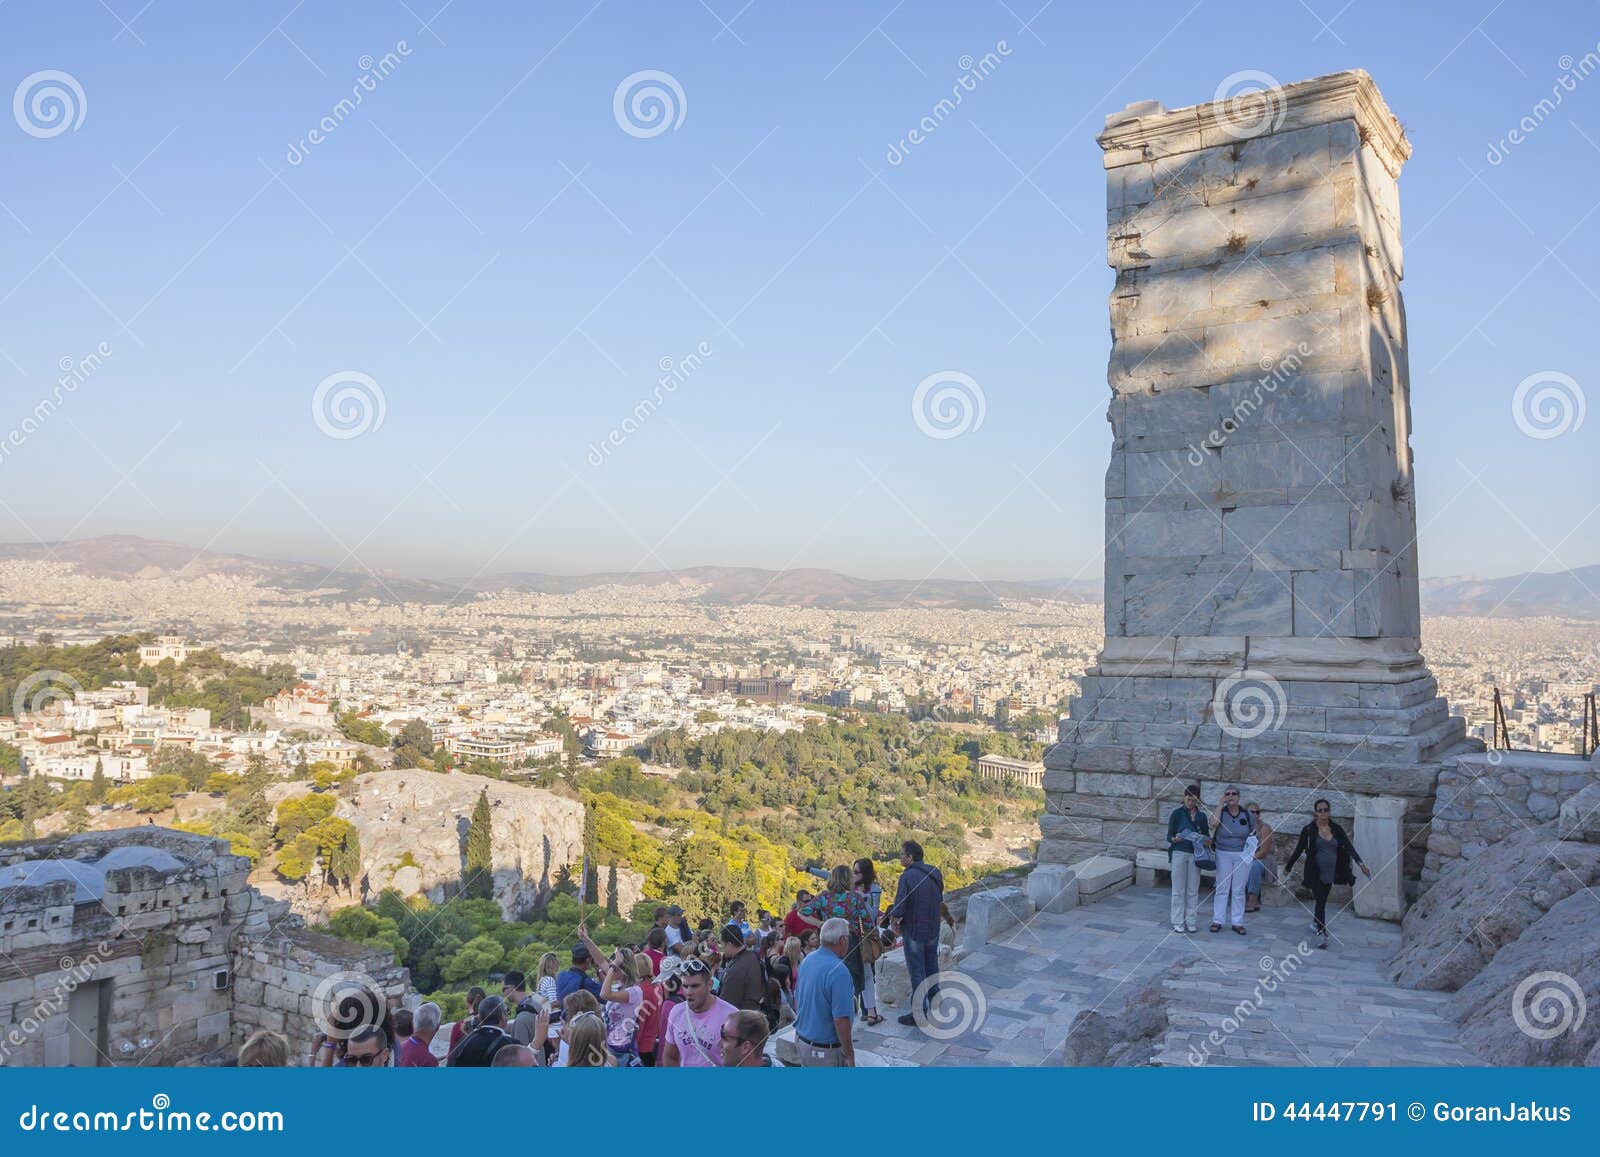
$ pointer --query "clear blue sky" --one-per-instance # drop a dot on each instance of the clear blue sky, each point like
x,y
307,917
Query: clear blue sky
x,y
483,239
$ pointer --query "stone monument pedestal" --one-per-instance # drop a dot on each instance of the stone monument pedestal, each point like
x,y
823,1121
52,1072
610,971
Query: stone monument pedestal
x,y
1262,619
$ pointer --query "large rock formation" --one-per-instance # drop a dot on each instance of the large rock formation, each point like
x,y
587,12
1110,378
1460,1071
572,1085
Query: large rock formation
x,y
1484,904
413,826
1538,1001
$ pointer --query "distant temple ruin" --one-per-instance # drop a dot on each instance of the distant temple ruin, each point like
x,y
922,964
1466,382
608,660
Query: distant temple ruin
x,y
1262,621
146,946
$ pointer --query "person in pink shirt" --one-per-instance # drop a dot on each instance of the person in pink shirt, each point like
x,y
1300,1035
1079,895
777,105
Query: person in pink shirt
x,y
692,1037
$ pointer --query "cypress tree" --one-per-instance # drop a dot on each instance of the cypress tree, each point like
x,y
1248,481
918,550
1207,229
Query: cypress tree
x,y
479,882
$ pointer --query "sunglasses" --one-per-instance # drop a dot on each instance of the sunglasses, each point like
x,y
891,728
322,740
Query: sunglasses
x,y
364,1062
1322,811
733,1040
693,966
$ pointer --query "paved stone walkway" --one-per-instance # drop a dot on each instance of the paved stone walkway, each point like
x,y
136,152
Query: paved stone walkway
x,y
1327,1007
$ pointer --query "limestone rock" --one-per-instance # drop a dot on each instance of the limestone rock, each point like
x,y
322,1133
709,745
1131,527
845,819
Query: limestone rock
x,y
1129,1036
1580,816
1481,905
1538,1002
413,826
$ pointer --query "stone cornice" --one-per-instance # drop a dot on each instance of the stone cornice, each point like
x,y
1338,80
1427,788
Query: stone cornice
x,y
1145,130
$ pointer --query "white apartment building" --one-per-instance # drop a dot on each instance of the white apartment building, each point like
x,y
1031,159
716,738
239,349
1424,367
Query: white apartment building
x,y
166,647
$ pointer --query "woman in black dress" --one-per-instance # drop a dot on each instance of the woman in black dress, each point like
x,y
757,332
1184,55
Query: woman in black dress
x,y
1329,854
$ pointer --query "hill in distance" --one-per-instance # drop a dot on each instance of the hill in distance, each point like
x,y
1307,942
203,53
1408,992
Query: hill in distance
x,y
1570,594
131,557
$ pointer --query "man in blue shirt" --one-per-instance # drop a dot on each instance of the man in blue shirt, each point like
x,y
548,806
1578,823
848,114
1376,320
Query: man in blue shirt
x,y
825,1001
918,905
569,980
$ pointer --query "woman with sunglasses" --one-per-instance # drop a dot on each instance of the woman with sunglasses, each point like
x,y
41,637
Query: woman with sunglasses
x,y
1232,830
1329,853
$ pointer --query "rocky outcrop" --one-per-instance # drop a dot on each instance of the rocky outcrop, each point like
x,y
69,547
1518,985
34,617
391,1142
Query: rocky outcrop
x,y
413,826
1538,1001
1482,905
1130,1036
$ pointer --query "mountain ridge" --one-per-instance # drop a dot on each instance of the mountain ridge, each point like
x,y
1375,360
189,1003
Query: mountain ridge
x,y
1572,594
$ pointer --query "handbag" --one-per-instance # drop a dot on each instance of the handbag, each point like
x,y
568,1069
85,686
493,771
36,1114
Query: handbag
x,y
1204,857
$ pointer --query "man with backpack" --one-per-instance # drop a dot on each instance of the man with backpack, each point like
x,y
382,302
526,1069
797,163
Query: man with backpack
x,y
477,1048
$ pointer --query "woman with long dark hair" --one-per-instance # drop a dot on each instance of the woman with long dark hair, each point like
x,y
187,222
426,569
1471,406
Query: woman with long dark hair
x,y
871,892
1329,853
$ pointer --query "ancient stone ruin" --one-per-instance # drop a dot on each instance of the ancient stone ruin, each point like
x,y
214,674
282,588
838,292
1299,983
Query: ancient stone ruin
x,y
147,946
1262,621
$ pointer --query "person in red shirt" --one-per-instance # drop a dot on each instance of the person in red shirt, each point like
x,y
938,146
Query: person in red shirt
x,y
795,924
462,1026
655,947
416,1051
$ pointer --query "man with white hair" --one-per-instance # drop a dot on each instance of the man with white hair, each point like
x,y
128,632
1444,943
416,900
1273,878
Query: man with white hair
x,y
415,1051
825,1001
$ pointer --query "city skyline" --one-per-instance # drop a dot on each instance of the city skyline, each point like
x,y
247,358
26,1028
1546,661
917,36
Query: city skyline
x,y
509,262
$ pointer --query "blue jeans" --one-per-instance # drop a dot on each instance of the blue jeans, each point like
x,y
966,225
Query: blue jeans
x,y
1258,872
922,961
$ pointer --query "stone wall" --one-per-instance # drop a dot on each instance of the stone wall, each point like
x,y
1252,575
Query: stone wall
x,y
146,946
1488,796
292,983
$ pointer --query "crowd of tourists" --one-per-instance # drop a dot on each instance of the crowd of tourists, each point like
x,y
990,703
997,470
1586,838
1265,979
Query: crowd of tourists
x,y
694,994
1237,845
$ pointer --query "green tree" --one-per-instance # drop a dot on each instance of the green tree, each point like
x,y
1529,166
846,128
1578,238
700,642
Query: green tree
x,y
190,766
413,745
750,883
98,785
359,730
479,881
613,903
77,817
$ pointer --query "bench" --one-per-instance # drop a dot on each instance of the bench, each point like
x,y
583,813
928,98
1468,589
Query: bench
x,y
1152,868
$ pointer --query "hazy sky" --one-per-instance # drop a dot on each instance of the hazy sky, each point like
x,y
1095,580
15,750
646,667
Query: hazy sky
x,y
485,240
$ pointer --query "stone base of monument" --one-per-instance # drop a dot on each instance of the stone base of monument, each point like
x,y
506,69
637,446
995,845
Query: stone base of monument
x,y
1053,888
1101,876
991,913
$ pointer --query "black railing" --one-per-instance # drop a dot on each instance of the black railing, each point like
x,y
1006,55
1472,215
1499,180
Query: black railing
x,y
1588,742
